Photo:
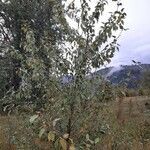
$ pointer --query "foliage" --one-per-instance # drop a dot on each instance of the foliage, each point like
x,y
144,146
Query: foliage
x,y
43,50
87,51
146,79
16,16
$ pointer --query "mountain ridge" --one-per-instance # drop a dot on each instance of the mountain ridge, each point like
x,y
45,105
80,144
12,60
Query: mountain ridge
x,y
129,75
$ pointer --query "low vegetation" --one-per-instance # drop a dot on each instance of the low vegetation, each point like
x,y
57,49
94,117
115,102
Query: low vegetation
x,y
122,124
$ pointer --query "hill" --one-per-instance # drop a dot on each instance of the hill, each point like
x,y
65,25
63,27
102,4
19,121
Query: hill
x,y
129,75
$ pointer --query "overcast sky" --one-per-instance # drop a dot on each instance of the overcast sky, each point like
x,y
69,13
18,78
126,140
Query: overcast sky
x,y
135,43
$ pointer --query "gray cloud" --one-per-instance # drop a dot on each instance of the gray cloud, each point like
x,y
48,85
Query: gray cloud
x,y
135,43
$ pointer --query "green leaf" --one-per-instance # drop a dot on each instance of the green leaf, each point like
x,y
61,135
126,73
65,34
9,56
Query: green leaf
x,y
42,131
96,140
87,137
55,121
33,118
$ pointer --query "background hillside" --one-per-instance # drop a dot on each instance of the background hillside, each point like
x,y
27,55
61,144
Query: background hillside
x,y
129,75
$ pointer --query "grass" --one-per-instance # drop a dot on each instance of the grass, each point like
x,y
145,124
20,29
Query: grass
x,y
128,120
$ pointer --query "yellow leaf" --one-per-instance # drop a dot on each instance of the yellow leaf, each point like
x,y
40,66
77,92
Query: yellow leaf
x,y
51,136
72,147
64,143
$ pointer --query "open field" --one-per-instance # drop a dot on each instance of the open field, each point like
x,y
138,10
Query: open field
x,y
133,107
128,119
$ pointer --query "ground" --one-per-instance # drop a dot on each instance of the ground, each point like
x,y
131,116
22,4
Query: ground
x,y
132,120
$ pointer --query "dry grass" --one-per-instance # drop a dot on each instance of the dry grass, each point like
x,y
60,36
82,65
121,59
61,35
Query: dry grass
x,y
132,107
128,118
131,125
14,135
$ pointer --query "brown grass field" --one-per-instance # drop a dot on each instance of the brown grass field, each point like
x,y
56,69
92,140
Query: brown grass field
x,y
132,118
